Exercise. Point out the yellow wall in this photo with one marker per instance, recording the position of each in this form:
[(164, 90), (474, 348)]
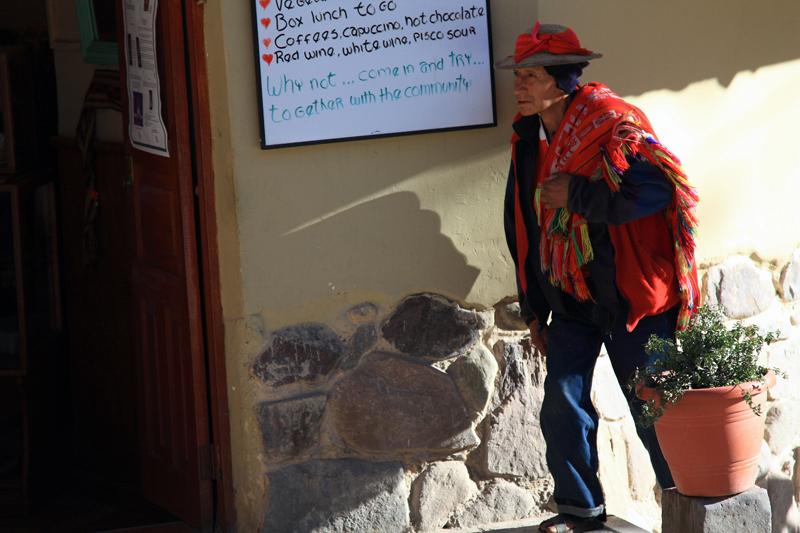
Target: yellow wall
[(305, 232), (717, 80), (321, 227)]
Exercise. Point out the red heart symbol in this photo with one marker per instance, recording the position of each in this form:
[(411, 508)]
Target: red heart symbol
[(264, 3), (267, 58), (265, 22), (267, 42)]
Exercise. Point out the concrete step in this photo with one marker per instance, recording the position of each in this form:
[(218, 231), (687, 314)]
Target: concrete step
[(614, 524)]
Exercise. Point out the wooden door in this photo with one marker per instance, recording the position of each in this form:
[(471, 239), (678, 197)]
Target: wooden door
[(168, 330)]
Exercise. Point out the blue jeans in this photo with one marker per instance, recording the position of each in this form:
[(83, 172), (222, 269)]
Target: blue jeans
[(568, 418)]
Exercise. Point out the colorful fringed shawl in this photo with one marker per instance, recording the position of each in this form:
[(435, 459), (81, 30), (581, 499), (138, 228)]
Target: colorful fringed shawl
[(654, 255)]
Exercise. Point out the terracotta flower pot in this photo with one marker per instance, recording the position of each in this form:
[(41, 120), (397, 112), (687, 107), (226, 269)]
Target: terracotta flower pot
[(711, 438)]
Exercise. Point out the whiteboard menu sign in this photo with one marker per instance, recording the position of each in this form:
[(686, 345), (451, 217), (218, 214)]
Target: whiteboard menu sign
[(344, 69)]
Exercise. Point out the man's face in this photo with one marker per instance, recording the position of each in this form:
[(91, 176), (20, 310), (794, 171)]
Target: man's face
[(535, 90)]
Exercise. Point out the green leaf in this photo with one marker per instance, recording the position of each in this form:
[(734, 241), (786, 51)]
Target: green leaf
[(706, 354)]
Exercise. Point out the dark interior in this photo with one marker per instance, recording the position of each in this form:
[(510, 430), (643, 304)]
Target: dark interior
[(68, 426)]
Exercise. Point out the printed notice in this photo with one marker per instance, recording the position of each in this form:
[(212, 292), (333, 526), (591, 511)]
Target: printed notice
[(146, 128), (341, 69)]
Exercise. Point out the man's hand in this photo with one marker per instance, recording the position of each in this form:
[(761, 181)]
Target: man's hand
[(555, 190), (538, 338)]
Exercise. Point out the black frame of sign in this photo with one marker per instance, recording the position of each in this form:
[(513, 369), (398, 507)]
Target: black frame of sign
[(262, 129)]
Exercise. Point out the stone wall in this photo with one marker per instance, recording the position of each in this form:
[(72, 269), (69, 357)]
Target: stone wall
[(425, 416), (420, 418), (767, 294)]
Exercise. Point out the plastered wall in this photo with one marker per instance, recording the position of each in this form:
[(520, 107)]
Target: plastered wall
[(716, 80), (306, 232), (323, 225)]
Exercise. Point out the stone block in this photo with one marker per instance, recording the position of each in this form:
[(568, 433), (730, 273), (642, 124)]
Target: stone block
[(474, 374), (289, 428), (438, 492), (300, 353), (613, 470), (507, 315), (785, 514), (433, 327), (362, 341), (786, 357), (783, 426), (499, 501), (773, 319), (513, 444), (764, 461), (710, 289), (337, 496), (740, 287), (392, 405), (519, 363), (512, 360), (363, 313), (606, 393), (625, 471), (748, 511), (641, 477), (790, 278)]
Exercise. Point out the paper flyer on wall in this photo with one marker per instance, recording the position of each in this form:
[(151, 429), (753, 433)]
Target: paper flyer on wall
[(146, 127)]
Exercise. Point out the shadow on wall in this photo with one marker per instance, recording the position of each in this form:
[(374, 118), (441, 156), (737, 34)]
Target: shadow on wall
[(329, 177), (325, 224), (381, 245), (668, 45)]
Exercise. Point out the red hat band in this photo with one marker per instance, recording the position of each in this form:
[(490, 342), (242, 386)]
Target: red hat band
[(565, 42)]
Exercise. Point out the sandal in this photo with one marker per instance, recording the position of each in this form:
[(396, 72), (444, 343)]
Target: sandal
[(568, 523)]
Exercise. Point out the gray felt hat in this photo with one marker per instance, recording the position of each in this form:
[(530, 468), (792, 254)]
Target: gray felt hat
[(546, 59)]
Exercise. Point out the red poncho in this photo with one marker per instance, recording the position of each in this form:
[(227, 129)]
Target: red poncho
[(654, 255)]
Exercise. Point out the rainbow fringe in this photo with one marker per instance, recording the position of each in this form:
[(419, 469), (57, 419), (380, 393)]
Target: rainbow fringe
[(629, 140)]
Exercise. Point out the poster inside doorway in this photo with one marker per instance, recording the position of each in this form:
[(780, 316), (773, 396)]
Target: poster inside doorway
[(146, 128)]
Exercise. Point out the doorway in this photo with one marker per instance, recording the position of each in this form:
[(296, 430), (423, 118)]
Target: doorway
[(132, 412)]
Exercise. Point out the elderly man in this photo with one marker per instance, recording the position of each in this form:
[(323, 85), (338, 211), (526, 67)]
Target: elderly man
[(599, 221)]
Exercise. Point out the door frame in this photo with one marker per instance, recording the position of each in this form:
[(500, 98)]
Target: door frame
[(225, 510)]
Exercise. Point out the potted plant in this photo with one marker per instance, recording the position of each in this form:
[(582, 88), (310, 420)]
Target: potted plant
[(706, 395)]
